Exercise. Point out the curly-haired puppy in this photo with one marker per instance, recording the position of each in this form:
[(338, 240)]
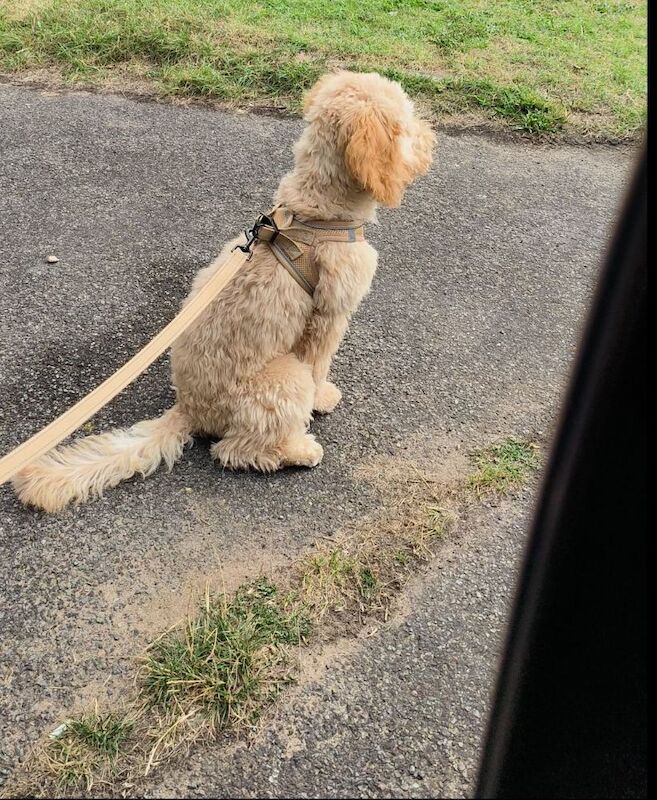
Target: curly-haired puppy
[(253, 368)]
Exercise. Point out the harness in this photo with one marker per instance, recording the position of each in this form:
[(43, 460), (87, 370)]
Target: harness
[(293, 241)]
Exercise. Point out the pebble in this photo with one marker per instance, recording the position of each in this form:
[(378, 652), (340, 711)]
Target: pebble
[(52, 259)]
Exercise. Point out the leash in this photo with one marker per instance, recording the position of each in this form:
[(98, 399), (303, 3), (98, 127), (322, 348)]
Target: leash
[(291, 239), (78, 414)]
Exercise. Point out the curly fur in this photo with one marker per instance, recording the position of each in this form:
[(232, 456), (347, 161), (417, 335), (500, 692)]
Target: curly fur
[(253, 368)]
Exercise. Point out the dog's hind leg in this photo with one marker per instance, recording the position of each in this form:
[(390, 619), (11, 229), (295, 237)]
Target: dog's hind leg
[(268, 427)]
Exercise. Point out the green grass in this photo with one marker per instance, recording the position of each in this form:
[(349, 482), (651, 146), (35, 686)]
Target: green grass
[(228, 660), (540, 66), (502, 467), (102, 734), (86, 749)]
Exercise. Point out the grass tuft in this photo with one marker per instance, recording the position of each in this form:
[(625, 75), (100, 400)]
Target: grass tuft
[(226, 660), (441, 520), (104, 734), (86, 749), (502, 467)]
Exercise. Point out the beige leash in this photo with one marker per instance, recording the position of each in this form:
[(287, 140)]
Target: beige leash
[(71, 420)]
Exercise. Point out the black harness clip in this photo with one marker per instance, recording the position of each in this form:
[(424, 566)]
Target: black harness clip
[(253, 234)]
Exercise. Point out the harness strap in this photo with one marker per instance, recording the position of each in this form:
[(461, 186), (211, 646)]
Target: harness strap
[(293, 241), (303, 270)]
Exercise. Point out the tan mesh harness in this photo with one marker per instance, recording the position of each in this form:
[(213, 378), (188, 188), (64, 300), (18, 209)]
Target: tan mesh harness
[(293, 241)]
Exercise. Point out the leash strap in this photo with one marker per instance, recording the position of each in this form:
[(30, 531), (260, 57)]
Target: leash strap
[(78, 414)]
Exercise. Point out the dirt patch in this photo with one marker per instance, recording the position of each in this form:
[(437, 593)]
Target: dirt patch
[(445, 461)]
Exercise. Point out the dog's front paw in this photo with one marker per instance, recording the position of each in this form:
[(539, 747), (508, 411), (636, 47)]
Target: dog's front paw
[(327, 396)]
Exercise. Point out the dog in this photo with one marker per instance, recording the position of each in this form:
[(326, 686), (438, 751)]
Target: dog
[(253, 368)]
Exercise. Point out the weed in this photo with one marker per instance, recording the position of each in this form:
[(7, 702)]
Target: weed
[(86, 749), (502, 467)]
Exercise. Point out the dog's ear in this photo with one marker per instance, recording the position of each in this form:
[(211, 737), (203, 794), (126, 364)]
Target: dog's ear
[(372, 155)]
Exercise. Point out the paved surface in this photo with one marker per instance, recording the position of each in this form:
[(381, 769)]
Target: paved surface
[(468, 334), (399, 714)]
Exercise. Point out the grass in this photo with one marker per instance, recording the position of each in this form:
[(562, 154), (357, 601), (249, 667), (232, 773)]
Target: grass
[(440, 520), (86, 749), (362, 573), (220, 668), (224, 665), (543, 66), (227, 659), (502, 467), (358, 576)]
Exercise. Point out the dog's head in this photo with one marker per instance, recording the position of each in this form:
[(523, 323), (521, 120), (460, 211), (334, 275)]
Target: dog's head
[(371, 121)]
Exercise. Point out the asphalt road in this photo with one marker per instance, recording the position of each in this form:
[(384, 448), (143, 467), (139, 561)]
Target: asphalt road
[(469, 332)]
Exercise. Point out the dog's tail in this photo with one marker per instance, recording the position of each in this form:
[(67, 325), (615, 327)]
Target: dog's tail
[(91, 465)]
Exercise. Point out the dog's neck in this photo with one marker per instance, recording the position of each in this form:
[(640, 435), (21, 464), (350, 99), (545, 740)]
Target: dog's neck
[(319, 188), (306, 196)]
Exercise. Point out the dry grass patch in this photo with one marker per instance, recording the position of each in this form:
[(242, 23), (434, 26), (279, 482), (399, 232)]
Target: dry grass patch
[(93, 749), (229, 660), (360, 574), (16, 10)]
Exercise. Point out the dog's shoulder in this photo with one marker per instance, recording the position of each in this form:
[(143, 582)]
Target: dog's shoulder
[(346, 270)]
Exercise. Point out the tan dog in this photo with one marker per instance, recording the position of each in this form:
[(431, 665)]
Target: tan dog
[(254, 366)]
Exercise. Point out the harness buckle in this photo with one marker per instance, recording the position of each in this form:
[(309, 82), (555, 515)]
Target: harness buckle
[(253, 234)]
